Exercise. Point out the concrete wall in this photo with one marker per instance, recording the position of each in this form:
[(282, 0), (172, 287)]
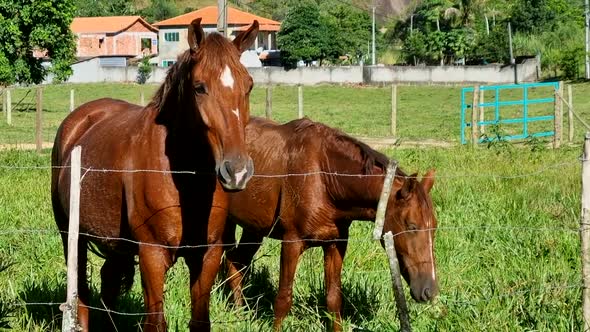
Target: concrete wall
[(91, 71), (127, 42)]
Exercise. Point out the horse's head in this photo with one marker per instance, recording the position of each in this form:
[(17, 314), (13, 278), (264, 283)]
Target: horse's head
[(220, 88), (410, 217)]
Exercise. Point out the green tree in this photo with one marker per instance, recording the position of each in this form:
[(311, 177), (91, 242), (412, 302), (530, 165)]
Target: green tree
[(26, 26), (349, 31), (93, 8), (159, 10), (302, 35)]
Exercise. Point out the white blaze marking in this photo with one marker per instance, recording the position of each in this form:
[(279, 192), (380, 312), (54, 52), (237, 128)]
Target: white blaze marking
[(430, 246), (227, 78), (240, 175), (237, 113)]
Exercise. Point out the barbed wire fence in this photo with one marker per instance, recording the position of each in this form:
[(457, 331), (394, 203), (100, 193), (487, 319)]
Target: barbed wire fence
[(584, 229)]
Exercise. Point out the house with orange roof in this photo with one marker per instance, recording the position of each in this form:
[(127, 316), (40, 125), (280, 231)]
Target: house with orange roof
[(127, 36), (173, 32)]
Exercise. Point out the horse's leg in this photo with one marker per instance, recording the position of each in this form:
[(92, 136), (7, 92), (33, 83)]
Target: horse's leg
[(203, 270), (116, 277), (239, 259), (333, 257), (290, 253), (154, 262)]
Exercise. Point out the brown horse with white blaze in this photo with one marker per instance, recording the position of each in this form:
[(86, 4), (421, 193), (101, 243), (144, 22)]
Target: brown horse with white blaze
[(311, 182), (167, 169)]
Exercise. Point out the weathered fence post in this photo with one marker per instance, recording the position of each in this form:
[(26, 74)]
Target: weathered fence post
[(71, 100), (474, 115), (558, 116), (481, 111), (4, 101), (393, 110), (39, 121), (269, 102), (402, 308), (141, 97), (69, 322), (300, 95), (8, 107), (570, 113), (398, 290), (585, 232)]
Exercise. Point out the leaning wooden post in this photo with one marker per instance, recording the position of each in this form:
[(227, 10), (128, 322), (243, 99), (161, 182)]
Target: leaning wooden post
[(402, 308), (394, 110), (400, 300), (557, 116), (141, 98), (300, 95), (474, 115), (69, 322), (4, 101), (39, 121), (585, 232), (481, 111), (71, 100), (8, 107), (269, 102), (570, 113)]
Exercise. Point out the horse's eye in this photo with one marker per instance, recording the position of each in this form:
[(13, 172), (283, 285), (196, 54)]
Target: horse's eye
[(200, 88), (412, 227)]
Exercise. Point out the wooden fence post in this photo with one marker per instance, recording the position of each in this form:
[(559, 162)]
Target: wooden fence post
[(585, 233), (558, 116), (269, 102), (4, 101), (398, 290), (70, 316), (383, 199), (570, 113), (300, 95), (71, 100), (39, 121), (481, 111), (394, 110), (8, 107), (474, 115), (141, 97)]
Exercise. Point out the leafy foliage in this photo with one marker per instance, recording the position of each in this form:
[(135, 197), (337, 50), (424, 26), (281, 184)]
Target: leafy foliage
[(93, 8), (159, 10), (26, 26), (144, 70), (302, 35)]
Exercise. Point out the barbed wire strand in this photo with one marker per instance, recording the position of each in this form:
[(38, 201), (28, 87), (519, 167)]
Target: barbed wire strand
[(443, 176)]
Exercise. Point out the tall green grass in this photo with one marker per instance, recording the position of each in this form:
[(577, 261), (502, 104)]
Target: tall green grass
[(507, 252)]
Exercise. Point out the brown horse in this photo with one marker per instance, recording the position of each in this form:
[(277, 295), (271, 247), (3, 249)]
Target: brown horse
[(185, 147), (316, 208)]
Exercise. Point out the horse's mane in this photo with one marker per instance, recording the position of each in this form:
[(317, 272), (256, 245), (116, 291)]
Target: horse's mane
[(173, 85), (339, 140)]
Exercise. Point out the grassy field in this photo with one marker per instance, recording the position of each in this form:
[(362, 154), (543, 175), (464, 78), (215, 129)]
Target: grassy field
[(424, 112), (507, 246)]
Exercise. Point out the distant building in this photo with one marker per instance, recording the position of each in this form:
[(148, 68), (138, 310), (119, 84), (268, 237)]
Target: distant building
[(127, 36), (173, 32)]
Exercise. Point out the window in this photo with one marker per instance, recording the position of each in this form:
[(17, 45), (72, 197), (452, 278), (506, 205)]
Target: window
[(168, 63), (171, 36), (146, 43)]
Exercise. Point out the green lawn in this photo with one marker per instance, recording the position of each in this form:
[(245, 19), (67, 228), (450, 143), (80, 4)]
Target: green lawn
[(507, 252), (507, 247), (424, 112)]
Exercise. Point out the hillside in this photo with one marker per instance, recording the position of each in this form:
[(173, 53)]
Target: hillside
[(385, 8)]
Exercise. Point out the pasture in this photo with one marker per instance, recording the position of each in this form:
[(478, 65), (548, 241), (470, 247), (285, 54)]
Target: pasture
[(507, 246)]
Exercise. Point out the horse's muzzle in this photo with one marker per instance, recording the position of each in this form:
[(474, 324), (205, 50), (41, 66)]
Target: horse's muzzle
[(234, 175), (423, 289)]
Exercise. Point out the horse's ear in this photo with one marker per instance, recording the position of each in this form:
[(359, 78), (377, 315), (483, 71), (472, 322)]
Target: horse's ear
[(428, 180), (245, 39), (407, 187), (196, 35)]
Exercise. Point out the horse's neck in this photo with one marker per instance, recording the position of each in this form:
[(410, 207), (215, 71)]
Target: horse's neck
[(356, 197)]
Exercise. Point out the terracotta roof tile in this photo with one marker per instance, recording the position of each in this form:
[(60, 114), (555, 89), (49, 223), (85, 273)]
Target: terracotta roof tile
[(261, 27), (107, 24), (209, 17)]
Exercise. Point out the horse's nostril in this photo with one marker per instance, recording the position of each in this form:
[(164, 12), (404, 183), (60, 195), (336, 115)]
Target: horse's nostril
[(228, 167), (426, 294)]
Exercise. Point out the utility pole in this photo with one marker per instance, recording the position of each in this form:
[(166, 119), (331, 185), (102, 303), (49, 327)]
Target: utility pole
[(373, 55), (222, 17), (586, 19)]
